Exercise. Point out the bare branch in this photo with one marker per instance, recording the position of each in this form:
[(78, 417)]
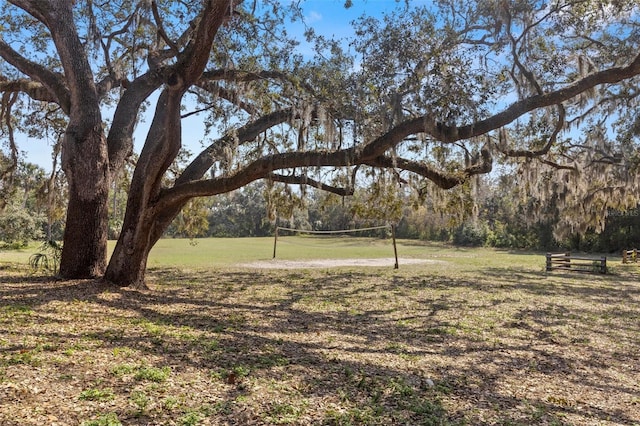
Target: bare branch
[(113, 76), (160, 27), (537, 153)]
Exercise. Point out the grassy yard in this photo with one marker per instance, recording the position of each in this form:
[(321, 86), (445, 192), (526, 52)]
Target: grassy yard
[(471, 336)]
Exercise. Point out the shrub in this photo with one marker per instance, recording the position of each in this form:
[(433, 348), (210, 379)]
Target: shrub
[(18, 226), (470, 235), (48, 258)]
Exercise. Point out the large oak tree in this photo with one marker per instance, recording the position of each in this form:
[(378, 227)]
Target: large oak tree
[(428, 95)]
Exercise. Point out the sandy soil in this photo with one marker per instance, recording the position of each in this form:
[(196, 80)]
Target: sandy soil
[(332, 263)]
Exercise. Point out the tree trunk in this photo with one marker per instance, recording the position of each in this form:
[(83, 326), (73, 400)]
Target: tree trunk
[(84, 253), (148, 212), (129, 259), (84, 147), (143, 223), (141, 228), (85, 162), (128, 262)]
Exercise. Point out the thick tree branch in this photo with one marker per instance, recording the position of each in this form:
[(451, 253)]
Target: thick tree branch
[(163, 141), (445, 133), (194, 57), (370, 153), (35, 90), (83, 106), (305, 180), (120, 138), (376, 148), (444, 180), (246, 133), (265, 166), (525, 153), (258, 169), (52, 82)]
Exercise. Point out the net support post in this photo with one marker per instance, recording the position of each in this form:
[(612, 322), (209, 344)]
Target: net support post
[(275, 242), (395, 249)]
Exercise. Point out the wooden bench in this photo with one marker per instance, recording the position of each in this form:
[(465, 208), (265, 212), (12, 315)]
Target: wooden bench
[(629, 256), (575, 263)]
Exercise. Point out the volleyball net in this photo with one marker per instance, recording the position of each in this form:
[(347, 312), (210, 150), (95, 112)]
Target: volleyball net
[(335, 238)]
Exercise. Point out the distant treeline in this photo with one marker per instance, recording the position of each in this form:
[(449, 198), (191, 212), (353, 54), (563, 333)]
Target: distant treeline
[(496, 221), (495, 216)]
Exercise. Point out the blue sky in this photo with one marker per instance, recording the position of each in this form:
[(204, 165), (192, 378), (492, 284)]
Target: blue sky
[(330, 18)]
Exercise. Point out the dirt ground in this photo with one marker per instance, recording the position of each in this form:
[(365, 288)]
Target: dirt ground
[(334, 263), (428, 344)]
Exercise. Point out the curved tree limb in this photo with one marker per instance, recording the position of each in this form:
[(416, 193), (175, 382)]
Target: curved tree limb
[(52, 82), (34, 89), (425, 124), (542, 151), (164, 138), (257, 169), (120, 137), (444, 180), (446, 133), (144, 222), (246, 133), (306, 180), (265, 167)]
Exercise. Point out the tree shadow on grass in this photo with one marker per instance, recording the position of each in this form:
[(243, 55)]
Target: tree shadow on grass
[(329, 347)]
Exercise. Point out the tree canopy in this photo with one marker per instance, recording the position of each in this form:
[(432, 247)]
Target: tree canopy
[(429, 96)]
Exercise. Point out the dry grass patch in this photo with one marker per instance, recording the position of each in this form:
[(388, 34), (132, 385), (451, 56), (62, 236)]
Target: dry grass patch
[(428, 344)]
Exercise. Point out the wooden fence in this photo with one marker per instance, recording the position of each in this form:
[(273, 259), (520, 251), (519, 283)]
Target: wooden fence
[(630, 256), (575, 263)]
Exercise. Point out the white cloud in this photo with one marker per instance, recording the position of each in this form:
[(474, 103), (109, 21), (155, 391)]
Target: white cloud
[(313, 16)]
